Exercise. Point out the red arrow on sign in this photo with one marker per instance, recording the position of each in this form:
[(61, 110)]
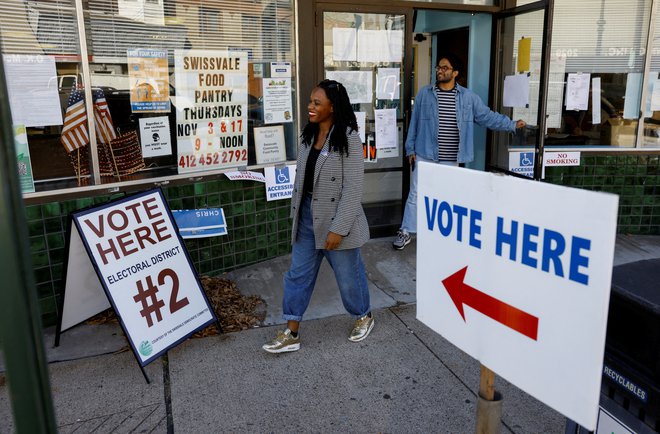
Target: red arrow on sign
[(514, 318)]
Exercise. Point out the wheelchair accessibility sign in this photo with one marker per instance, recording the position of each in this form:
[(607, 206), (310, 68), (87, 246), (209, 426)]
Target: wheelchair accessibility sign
[(279, 182), (522, 163), (282, 175)]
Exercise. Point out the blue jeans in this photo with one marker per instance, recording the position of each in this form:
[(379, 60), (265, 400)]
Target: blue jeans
[(305, 262), (409, 223)]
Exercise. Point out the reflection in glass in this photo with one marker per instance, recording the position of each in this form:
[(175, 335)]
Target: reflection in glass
[(263, 29), (365, 53), (613, 55)]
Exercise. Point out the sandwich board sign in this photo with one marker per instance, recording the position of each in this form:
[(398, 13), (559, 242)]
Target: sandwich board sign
[(517, 274), (131, 246)]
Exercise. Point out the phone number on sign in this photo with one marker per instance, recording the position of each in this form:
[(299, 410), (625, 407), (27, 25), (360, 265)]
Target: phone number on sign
[(213, 158)]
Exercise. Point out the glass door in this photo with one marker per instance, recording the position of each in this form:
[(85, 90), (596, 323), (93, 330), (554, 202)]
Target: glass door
[(365, 49), (523, 71)]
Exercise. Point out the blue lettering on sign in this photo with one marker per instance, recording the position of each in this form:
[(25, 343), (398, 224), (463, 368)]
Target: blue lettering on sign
[(192, 219), (554, 245), (443, 215), (531, 245)]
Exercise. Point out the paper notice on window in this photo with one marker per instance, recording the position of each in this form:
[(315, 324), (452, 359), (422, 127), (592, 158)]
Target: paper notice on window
[(577, 91), (246, 176), (344, 44), (278, 107), (358, 84), (149, 80), (269, 144), (386, 132), (555, 91), (279, 181), (524, 48), (362, 124), (633, 95), (516, 90), (652, 84), (595, 101), (23, 159), (380, 46), (387, 83), (280, 69), (32, 84), (155, 136), (655, 94)]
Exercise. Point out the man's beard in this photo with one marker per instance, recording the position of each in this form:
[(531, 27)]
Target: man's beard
[(438, 81)]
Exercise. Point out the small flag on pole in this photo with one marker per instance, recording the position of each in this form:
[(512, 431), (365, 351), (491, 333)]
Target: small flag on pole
[(74, 131), (102, 119)]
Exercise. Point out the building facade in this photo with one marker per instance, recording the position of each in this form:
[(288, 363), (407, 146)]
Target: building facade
[(110, 97)]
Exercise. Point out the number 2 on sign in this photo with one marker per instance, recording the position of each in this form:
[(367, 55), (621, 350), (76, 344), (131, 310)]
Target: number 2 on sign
[(151, 304)]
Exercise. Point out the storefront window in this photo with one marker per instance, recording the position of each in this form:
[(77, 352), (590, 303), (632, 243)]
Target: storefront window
[(652, 112), (603, 72), (41, 55), (176, 87), (462, 2)]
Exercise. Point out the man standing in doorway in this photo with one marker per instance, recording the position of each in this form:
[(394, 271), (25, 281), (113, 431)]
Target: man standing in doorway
[(441, 131)]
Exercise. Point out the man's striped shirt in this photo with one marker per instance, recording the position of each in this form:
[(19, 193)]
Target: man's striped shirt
[(447, 126)]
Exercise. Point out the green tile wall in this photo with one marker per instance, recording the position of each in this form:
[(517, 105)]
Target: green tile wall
[(636, 179), (258, 230)]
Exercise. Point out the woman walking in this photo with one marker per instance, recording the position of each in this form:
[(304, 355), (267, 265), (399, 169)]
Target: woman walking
[(328, 219)]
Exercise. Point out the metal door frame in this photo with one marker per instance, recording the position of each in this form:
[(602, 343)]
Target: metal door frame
[(498, 81)]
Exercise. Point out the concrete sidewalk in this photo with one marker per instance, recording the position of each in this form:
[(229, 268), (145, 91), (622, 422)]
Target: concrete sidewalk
[(403, 378)]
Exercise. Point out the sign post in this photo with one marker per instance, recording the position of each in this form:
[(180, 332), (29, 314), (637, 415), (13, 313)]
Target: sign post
[(489, 409), (517, 274)]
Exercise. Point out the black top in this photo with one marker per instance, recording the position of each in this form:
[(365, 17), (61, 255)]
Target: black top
[(310, 167)]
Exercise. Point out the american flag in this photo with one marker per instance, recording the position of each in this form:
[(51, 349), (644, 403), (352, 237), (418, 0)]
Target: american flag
[(105, 131), (74, 131)]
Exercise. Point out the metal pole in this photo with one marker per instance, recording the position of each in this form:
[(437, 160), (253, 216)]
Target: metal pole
[(647, 72), (20, 319), (543, 96)]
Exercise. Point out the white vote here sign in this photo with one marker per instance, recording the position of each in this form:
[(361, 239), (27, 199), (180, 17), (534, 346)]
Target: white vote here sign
[(517, 274), (145, 271)]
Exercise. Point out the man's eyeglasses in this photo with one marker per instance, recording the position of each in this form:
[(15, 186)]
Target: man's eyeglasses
[(444, 68)]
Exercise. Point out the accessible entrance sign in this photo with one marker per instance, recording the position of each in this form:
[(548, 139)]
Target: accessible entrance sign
[(517, 274), (134, 248)]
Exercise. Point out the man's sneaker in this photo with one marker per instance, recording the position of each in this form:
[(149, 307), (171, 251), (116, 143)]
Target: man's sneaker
[(362, 328), (283, 343), (402, 240)]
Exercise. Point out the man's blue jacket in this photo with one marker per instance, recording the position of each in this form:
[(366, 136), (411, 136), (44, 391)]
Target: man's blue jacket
[(422, 137)]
